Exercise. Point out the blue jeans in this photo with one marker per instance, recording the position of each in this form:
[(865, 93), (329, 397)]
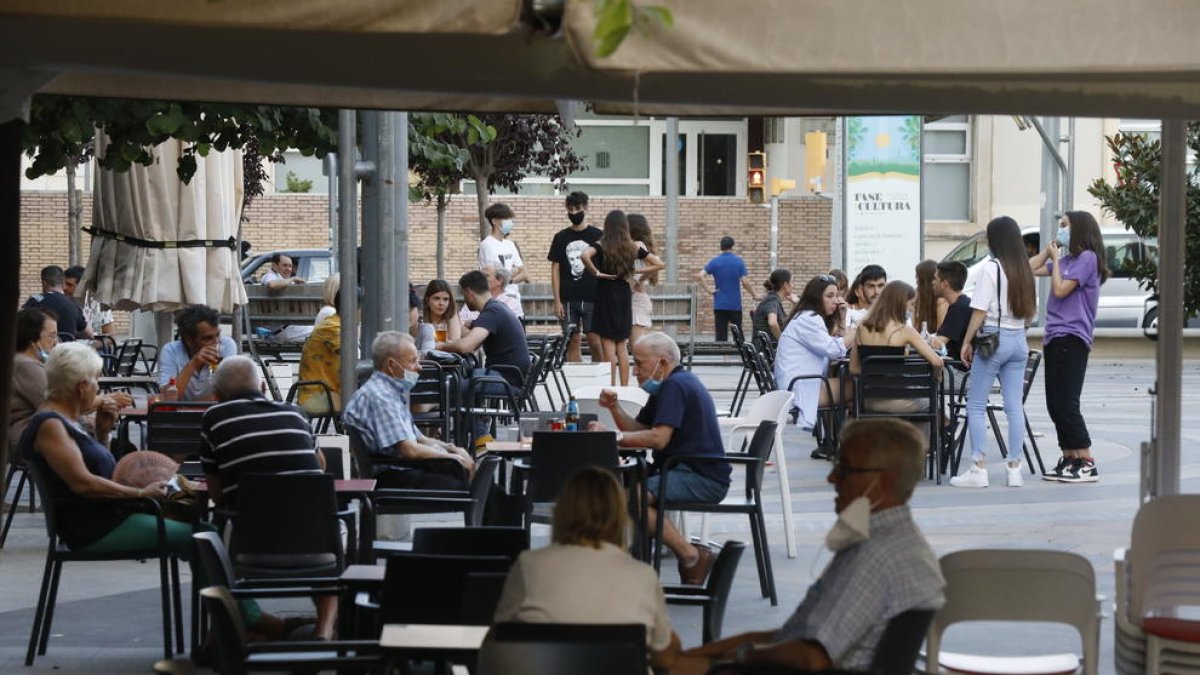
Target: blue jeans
[(688, 486), (1007, 363)]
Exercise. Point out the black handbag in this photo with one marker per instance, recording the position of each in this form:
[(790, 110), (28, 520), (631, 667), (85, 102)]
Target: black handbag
[(985, 344)]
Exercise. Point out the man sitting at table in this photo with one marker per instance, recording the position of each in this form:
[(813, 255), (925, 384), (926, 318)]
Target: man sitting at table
[(235, 432), (192, 359), (379, 412), (680, 418), (53, 297), (882, 566)]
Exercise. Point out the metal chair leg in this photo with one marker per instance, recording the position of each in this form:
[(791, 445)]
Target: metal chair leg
[(48, 621), (39, 615), (177, 602)]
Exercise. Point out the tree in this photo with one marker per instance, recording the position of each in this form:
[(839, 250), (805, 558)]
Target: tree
[(1133, 200)]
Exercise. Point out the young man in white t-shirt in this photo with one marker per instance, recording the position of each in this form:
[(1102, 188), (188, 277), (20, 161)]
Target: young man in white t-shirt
[(498, 250)]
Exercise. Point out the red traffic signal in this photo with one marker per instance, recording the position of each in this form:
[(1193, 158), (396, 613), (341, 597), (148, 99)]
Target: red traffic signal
[(756, 178)]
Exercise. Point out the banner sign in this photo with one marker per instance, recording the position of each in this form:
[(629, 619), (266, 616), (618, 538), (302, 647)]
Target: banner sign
[(882, 195)]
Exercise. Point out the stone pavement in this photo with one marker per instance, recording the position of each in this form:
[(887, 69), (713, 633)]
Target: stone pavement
[(107, 613)]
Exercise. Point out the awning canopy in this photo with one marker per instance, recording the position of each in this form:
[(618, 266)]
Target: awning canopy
[(1096, 58)]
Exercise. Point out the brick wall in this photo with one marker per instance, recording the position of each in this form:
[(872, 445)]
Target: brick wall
[(301, 221)]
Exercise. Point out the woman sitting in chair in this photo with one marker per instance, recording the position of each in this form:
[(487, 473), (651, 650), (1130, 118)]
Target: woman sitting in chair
[(587, 576), (886, 332), (812, 339)]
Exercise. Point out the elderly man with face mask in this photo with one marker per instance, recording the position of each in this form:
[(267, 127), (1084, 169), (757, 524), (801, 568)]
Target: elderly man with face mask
[(882, 566)]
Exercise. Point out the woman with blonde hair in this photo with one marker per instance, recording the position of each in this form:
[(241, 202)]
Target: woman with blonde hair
[(886, 332), (329, 296), (574, 578)]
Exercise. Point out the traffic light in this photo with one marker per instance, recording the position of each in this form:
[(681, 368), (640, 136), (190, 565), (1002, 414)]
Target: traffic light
[(756, 180)]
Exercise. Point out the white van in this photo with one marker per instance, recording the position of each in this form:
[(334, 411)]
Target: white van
[(1123, 303)]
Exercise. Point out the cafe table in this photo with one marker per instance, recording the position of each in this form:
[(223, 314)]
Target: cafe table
[(427, 641)]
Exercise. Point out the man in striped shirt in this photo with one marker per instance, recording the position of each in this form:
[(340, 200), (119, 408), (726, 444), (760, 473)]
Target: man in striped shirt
[(246, 433)]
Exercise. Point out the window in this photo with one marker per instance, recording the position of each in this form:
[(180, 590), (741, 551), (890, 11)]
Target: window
[(946, 189)]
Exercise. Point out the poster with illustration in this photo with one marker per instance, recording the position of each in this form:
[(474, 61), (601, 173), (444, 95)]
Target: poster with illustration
[(882, 199)]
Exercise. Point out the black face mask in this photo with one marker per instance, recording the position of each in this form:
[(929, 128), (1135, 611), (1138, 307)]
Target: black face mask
[(577, 217)]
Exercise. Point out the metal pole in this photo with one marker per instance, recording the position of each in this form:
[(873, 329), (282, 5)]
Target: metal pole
[(1172, 214), (671, 176), (837, 239), (400, 210), (774, 232), (371, 211), (382, 255), (331, 171), (347, 239), (1051, 184), (1069, 187)]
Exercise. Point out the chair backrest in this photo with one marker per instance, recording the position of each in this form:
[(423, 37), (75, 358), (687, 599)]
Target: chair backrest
[(229, 632), (900, 644), (481, 596), (558, 454), (481, 488), (772, 405), (1031, 368), (764, 373), (632, 400), (268, 376), (766, 345), (49, 506), (560, 355), (580, 649), (1054, 586), (360, 453), (760, 449), (502, 541), (739, 338), (214, 559), (896, 377), (127, 357), (286, 521), (173, 428), (719, 583), (421, 588), (1164, 557)]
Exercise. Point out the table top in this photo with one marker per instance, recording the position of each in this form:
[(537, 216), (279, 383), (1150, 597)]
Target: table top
[(351, 486), (424, 637), (363, 574), (117, 380)]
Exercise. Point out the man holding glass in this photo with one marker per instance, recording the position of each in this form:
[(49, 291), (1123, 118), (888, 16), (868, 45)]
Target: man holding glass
[(192, 359)]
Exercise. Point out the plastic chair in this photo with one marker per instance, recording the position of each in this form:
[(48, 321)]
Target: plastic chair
[(286, 526), (632, 400), (1164, 575), (1017, 585), (713, 595), (320, 422), (429, 589), (558, 454), (958, 408), (774, 406), (481, 597), (751, 504), (560, 356), (58, 553), (235, 656), (555, 648)]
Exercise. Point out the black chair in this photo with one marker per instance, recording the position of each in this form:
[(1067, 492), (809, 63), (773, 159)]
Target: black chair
[(286, 526), (16, 464), (558, 454), (502, 541), (322, 422), (429, 589), (555, 648), (122, 360), (481, 596), (173, 428), (58, 553), (829, 417), (896, 653), (765, 344), (746, 376), (436, 386), (714, 594), (908, 378), (751, 504), (549, 354), (235, 656), (369, 463), (490, 396)]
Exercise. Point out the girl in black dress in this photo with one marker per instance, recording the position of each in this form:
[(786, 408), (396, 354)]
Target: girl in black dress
[(611, 260)]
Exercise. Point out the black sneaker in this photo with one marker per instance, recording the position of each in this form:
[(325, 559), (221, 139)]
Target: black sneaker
[(1062, 467), (823, 451), (1081, 471)]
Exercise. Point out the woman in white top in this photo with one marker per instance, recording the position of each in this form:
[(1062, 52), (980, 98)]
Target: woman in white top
[(498, 250), (587, 576), (813, 337), (1003, 301)]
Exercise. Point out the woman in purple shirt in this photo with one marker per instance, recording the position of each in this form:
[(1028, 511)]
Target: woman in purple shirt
[(1075, 262)]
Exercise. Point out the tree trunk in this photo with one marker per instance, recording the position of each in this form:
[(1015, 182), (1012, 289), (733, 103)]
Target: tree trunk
[(482, 198), (74, 214), (10, 259), (441, 237)]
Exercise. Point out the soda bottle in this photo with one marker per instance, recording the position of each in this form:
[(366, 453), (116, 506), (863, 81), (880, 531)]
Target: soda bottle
[(170, 393), (572, 414), (925, 332)]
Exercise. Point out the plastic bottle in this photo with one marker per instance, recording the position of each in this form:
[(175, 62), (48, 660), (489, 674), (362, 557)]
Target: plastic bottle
[(170, 393), (572, 414), (925, 332)]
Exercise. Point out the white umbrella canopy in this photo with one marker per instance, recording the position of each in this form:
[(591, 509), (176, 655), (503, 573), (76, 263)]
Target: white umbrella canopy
[(143, 221)]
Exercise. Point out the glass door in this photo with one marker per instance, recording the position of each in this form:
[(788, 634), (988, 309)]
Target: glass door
[(711, 156)]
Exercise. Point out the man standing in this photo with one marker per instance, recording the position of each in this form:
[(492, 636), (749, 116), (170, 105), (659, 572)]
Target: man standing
[(871, 281), (99, 317), (192, 359), (498, 250), (574, 290), (233, 431), (729, 272), (680, 418), (882, 566), (948, 283), (380, 412), (52, 298), (280, 276)]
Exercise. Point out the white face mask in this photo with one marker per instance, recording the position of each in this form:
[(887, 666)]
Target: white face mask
[(853, 525), (506, 227)]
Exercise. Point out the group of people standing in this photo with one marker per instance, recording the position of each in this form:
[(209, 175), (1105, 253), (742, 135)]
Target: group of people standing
[(833, 320)]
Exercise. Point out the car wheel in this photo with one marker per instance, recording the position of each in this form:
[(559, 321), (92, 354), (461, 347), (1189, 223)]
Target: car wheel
[(1151, 318)]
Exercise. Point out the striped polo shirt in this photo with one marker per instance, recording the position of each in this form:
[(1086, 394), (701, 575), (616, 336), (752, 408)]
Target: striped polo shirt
[(253, 435)]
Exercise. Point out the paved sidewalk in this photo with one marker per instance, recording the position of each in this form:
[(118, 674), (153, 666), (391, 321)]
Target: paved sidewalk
[(107, 614)]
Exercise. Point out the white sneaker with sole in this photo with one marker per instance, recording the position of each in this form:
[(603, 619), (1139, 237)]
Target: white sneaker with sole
[(1014, 477), (975, 476)]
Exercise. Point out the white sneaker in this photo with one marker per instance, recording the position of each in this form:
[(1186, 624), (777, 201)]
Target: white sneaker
[(975, 476), (1014, 477)]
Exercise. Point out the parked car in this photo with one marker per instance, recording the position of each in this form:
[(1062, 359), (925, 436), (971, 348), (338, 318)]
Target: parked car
[(1123, 303), (312, 264)]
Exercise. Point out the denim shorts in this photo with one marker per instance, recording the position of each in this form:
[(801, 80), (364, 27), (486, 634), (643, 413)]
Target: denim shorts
[(688, 486)]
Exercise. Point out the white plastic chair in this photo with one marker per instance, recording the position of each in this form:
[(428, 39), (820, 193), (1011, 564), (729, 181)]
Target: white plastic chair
[(632, 400), (773, 406), (1017, 585), (1164, 575)]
